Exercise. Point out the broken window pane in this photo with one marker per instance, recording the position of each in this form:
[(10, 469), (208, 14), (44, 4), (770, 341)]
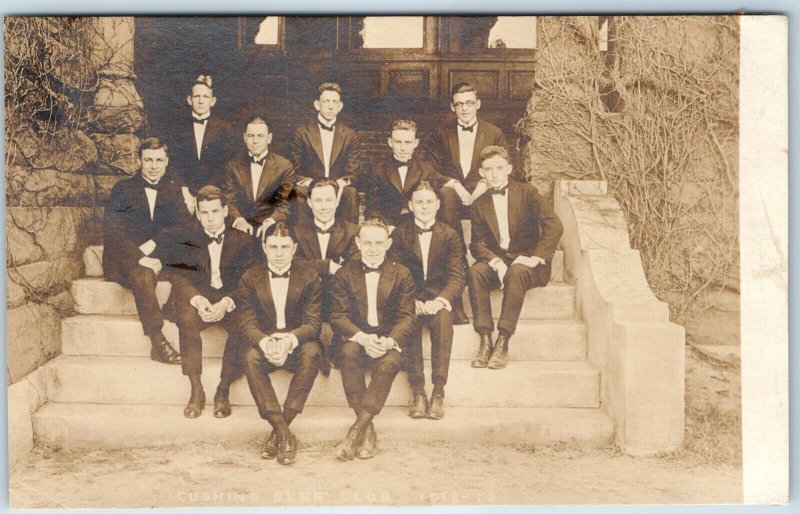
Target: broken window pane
[(267, 31), (388, 32), (481, 32)]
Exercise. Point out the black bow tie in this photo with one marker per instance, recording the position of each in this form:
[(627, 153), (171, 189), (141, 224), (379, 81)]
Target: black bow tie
[(218, 239), (500, 191), (260, 161), (272, 274), (421, 231), (324, 230), (155, 187), (398, 163), (325, 127), (200, 122), (471, 128), (367, 269)]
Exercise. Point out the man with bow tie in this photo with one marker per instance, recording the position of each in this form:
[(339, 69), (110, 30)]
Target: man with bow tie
[(201, 143), (258, 184), (373, 318), (279, 320), (208, 260), (514, 237), (433, 253), (140, 213), (327, 148)]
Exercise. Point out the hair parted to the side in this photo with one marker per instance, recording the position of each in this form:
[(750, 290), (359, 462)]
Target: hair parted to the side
[(423, 185), (374, 221), (404, 125), (203, 80), (255, 119), (329, 86), (462, 87), (279, 229), (210, 193), (493, 151), (322, 182), (152, 143)]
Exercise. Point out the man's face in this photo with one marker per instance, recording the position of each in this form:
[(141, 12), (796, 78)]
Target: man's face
[(496, 171), (154, 164), (466, 106), (201, 100), (257, 137), (211, 214), (403, 143), (323, 203), (424, 204), (279, 251), (329, 105), (373, 242)]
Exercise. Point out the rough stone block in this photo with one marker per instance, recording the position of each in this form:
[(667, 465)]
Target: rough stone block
[(15, 294), (24, 398), (33, 337), (93, 261), (117, 93), (95, 296), (104, 184), (22, 247), (583, 187), (66, 150), (58, 231), (45, 278), (117, 120), (46, 188), (119, 151)]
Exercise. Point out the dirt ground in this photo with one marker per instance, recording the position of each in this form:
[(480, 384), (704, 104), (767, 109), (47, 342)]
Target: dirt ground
[(707, 470)]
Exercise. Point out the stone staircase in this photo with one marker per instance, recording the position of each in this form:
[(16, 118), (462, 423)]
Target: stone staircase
[(104, 391)]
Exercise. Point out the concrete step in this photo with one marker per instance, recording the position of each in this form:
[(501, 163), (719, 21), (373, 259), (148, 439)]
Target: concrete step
[(139, 380), (83, 425), (97, 296), (93, 259), (121, 335)]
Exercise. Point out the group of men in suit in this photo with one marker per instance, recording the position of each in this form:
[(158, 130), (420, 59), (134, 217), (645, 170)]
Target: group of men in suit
[(271, 249)]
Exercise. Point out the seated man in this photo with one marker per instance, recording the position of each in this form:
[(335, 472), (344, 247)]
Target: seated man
[(140, 210), (514, 236), (258, 184), (372, 317), (327, 148), (208, 260), (432, 252), (327, 243), (279, 309)]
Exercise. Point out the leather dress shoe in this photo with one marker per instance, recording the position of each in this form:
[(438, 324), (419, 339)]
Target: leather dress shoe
[(347, 448), (484, 352), (369, 446), (436, 409), (270, 450), (499, 357), (222, 406), (197, 401), (419, 406), (165, 353), (287, 450)]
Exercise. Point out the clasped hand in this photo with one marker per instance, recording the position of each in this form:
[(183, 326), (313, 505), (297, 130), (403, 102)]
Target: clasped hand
[(211, 313), (276, 348), (376, 346)]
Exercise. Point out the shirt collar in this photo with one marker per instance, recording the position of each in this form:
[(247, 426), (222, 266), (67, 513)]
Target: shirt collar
[(219, 232), (501, 187), (404, 163), (325, 226), (150, 181), (474, 123), (424, 226), (373, 265), (279, 271), (325, 122), (205, 117), (260, 156)]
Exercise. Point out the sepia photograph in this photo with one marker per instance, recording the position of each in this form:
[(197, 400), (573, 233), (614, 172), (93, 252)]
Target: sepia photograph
[(314, 261)]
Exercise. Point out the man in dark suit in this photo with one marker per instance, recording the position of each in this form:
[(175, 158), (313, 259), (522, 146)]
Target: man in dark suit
[(279, 318), (201, 144), (208, 260), (139, 212), (390, 182), (454, 148), (432, 251), (373, 318), (514, 236), (258, 184), (326, 148)]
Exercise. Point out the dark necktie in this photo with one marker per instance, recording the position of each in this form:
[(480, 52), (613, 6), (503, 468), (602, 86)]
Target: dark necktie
[(199, 122), (325, 127), (218, 239), (367, 269), (500, 191), (421, 231), (260, 161), (324, 230), (272, 274), (471, 128)]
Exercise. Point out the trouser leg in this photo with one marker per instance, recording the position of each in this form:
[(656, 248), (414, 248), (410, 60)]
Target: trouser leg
[(353, 376), (482, 279), (257, 369), (306, 367), (142, 282), (441, 327), (516, 283), (412, 360), (384, 371)]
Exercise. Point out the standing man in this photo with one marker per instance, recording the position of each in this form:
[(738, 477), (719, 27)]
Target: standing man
[(258, 184), (201, 143), (326, 148), (373, 317), (514, 237), (140, 212), (279, 305), (432, 251), (211, 259)]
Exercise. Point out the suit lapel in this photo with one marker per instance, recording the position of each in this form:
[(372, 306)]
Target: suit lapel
[(360, 292), (385, 284), (246, 179), (338, 143), (514, 208), (293, 307), (413, 238), (413, 174), (310, 240), (437, 240), (316, 141), (455, 150), (480, 136), (212, 127), (394, 174), (491, 217), (336, 238), (266, 173), (265, 294)]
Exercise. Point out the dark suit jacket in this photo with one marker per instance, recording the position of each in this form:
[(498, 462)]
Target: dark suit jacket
[(533, 226), (445, 260), (127, 223), (186, 253), (386, 196), (274, 189), (309, 160), (341, 246), (256, 310), (395, 302), (445, 155), (214, 152)]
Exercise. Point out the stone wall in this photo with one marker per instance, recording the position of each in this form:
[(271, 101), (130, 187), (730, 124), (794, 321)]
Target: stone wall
[(61, 162)]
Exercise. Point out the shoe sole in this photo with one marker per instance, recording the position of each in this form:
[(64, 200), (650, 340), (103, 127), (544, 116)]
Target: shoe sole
[(365, 457), (342, 456), (496, 365), (478, 364), (286, 463)]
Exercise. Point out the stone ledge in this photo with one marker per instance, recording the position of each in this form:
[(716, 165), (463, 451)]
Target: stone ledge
[(24, 398)]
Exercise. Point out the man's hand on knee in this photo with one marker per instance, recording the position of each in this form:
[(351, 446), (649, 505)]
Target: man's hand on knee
[(151, 263)]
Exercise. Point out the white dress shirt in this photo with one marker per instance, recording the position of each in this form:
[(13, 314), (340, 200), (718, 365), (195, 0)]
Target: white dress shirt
[(403, 171), (215, 252), (199, 132), (501, 211), (466, 146), (372, 294), (152, 194), (327, 142), (425, 245), (255, 172), (324, 239), (280, 290)]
